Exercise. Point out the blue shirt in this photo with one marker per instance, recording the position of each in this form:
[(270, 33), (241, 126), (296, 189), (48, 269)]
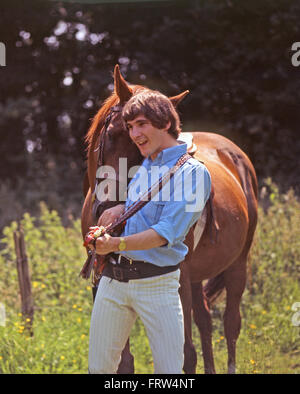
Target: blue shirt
[(173, 211)]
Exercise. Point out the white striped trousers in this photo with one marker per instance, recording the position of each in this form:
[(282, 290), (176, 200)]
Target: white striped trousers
[(117, 304)]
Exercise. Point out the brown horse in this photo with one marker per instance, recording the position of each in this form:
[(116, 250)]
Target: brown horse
[(220, 257)]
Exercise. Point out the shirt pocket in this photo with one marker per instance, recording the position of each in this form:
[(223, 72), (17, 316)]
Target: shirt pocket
[(152, 212)]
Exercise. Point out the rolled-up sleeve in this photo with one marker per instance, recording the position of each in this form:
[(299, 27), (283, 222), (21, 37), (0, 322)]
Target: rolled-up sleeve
[(188, 198)]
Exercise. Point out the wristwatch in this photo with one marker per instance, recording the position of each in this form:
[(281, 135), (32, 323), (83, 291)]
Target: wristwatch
[(122, 244)]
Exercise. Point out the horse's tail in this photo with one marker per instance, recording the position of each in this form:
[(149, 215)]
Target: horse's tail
[(214, 287)]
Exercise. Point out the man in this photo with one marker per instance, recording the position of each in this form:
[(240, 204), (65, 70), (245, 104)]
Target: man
[(151, 246)]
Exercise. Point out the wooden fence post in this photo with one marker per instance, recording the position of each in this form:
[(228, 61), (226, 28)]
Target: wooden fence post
[(24, 279)]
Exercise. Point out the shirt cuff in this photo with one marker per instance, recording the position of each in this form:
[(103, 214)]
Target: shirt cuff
[(163, 229)]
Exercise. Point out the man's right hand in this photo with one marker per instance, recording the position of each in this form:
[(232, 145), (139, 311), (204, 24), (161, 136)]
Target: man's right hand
[(110, 215)]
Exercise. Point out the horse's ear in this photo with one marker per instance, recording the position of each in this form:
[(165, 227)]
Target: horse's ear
[(122, 88), (176, 99)]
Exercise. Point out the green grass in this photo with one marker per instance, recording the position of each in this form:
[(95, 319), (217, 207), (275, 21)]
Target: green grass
[(268, 343)]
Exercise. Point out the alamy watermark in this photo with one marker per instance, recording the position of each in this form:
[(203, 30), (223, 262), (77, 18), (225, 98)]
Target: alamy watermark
[(186, 185), (296, 316), (2, 54), (2, 315), (296, 56)]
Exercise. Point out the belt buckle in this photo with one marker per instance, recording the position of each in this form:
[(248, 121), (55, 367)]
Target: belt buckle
[(119, 259)]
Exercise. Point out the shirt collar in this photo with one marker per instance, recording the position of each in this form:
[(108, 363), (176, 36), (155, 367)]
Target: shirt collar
[(168, 154)]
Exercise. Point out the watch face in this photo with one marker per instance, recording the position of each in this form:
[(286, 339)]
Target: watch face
[(122, 245)]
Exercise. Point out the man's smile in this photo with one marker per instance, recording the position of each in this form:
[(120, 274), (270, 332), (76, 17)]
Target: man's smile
[(141, 142)]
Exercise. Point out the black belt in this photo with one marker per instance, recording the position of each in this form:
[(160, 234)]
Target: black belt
[(128, 269)]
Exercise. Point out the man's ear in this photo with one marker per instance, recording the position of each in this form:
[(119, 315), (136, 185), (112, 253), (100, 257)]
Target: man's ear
[(167, 126)]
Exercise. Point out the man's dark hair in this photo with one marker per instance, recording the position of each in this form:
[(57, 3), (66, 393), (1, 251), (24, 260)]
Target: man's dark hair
[(156, 107)]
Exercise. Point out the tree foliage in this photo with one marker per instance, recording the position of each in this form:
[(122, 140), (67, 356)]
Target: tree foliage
[(234, 57)]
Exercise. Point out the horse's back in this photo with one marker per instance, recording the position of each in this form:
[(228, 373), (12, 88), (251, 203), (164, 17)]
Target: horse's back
[(217, 147), (234, 187)]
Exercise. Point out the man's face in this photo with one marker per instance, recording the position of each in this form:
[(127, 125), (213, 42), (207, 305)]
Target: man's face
[(147, 138)]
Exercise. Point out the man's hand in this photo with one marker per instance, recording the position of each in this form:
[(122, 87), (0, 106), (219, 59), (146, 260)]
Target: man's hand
[(110, 215), (147, 239), (106, 244)]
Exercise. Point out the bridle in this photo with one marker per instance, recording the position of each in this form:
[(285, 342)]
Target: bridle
[(112, 111), (96, 204)]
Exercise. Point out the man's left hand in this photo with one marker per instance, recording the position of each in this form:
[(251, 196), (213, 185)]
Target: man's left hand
[(105, 244)]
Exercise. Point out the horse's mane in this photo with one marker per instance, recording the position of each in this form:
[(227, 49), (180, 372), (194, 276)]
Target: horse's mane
[(98, 119)]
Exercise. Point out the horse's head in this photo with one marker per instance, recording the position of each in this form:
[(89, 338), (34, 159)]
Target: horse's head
[(112, 156)]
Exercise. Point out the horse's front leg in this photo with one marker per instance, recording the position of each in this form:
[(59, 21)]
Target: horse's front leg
[(126, 365)]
